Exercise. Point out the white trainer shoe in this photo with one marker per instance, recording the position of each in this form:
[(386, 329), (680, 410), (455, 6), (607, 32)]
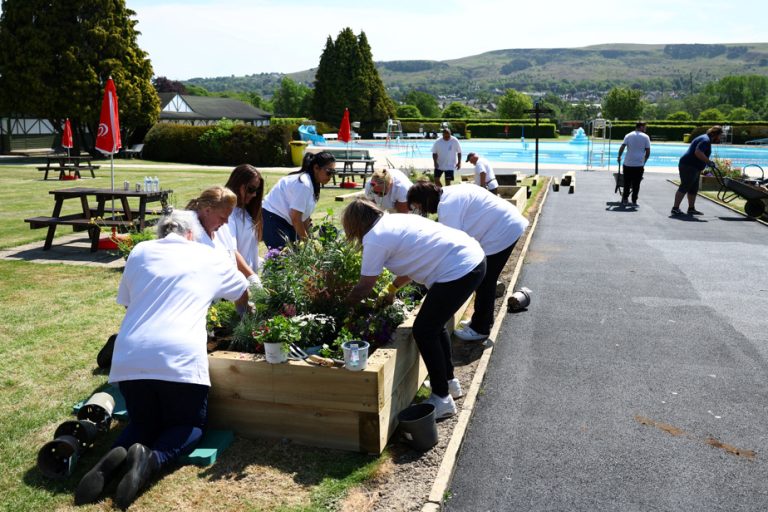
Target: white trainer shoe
[(444, 407), (465, 323), (454, 387), (467, 333)]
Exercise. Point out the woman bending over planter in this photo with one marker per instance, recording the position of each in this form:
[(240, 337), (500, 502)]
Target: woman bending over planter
[(289, 205), (245, 221), (388, 188), (160, 361), (450, 263), (213, 209), (494, 222)]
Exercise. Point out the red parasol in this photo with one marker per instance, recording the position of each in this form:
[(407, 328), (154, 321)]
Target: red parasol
[(66, 136), (108, 137), (345, 132)]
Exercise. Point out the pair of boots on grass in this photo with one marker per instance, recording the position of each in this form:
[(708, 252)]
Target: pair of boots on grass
[(140, 466)]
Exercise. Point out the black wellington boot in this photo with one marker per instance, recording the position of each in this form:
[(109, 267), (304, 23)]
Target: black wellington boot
[(137, 477), (91, 486), (104, 357)]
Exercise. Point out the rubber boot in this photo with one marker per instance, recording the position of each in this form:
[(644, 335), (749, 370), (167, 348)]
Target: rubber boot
[(137, 477), (92, 485)]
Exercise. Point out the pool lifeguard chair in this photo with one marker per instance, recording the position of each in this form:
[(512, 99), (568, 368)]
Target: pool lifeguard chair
[(394, 130)]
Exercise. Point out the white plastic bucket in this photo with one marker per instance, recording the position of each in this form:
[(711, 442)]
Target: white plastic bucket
[(275, 353), (355, 355)]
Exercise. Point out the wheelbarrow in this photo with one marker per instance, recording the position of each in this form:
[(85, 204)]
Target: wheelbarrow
[(752, 190)]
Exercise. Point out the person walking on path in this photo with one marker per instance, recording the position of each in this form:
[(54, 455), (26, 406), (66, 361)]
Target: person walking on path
[(484, 176), (450, 263), (446, 154), (494, 222), (690, 166), (638, 146)]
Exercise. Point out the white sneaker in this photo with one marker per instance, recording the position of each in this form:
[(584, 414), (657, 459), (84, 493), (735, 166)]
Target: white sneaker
[(454, 387), (467, 333), (465, 323), (444, 407)]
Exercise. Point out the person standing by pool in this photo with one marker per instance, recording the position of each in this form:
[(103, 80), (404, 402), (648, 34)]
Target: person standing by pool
[(638, 146), (494, 222), (388, 188), (245, 221), (690, 166), (289, 205), (484, 176), (446, 155), (450, 263)]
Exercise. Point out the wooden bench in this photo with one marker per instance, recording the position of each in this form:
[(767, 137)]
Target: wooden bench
[(348, 158), (68, 168), (78, 223)]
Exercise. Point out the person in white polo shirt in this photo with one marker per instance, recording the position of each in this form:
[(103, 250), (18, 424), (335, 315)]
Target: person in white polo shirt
[(450, 263), (494, 222), (446, 155), (288, 207), (160, 361), (484, 176), (388, 188), (638, 146)]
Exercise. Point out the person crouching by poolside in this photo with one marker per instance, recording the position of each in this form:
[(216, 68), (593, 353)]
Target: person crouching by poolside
[(484, 176), (245, 221), (450, 263), (289, 205), (690, 166), (212, 210), (160, 361), (388, 188), (494, 222)]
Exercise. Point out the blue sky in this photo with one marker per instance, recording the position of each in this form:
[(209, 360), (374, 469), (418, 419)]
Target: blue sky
[(205, 38)]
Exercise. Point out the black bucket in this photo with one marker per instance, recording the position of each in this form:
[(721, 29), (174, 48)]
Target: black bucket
[(57, 459), (417, 423)]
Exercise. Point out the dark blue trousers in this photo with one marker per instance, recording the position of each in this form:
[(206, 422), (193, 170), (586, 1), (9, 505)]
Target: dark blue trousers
[(167, 417), (276, 230)]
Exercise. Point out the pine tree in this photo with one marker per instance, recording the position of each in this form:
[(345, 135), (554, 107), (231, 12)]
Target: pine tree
[(56, 55)]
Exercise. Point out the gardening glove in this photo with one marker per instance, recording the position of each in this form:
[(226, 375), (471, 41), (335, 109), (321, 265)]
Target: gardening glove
[(387, 296), (254, 281)]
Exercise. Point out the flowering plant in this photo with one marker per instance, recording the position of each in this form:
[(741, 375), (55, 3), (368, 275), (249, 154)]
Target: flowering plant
[(725, 166)]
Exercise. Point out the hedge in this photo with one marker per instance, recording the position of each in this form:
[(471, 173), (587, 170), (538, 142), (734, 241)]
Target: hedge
[(516, 130), (415, 125), (255, 145), (742, 131)]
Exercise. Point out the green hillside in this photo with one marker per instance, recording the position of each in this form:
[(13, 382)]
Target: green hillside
[(672, 67)]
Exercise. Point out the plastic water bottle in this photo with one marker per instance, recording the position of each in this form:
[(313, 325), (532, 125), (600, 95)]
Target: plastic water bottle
[(156, 184), (146, 184)]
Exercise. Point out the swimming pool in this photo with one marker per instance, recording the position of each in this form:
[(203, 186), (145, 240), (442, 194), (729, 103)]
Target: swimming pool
[(662, 155)]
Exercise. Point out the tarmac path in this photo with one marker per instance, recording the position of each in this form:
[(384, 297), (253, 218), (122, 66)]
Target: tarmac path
[(637, 378)]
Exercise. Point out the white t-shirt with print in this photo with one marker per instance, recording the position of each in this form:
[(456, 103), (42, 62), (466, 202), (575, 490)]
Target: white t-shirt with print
[(167, 287), (482, 165), (447, 153), (292, 192), (494, 222), (424, 250), (398, 193)]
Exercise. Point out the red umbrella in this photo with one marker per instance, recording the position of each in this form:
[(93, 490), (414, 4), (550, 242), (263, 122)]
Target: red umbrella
[(345, 132), (66, 137), (108, 137)]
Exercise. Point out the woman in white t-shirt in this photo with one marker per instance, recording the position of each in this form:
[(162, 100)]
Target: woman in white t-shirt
[(212, 210), (289, 205), (388, 188), (494, 222), (160, 361), (245, 221), (447, 261)]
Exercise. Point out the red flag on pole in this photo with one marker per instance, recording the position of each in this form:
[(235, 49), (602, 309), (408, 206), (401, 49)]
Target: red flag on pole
[(108, 136), (345, 131), (66, 136)]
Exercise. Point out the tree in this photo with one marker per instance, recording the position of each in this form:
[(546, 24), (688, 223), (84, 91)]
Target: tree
[(56, 56), (742, 114), (288, 100), (458, 110), (425, 102), (622, 103), (711, 114), (513, 104), (680, 115), (347, 77), (162, 84), (408, 111)]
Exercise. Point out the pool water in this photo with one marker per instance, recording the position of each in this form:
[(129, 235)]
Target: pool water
[(662, 155)]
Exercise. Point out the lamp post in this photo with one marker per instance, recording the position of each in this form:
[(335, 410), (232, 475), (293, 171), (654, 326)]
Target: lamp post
[(537, 112)]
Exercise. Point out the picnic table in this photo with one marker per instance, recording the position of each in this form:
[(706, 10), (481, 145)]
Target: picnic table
[(68, 164), (122, 216)]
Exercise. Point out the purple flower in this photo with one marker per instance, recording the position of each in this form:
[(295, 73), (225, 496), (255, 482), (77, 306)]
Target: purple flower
[(272, 253)]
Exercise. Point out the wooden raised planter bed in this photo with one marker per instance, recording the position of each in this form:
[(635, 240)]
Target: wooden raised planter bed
[(515, 195), (317, 406)]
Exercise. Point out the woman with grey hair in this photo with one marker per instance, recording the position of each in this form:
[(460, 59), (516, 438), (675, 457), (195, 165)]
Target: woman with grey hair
[(450, 263), (160, 362)]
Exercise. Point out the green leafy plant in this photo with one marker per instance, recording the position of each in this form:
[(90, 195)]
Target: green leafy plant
[(222, 318), (278, 329)]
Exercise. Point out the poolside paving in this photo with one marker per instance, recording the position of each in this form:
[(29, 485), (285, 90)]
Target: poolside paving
[(637, 378)]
